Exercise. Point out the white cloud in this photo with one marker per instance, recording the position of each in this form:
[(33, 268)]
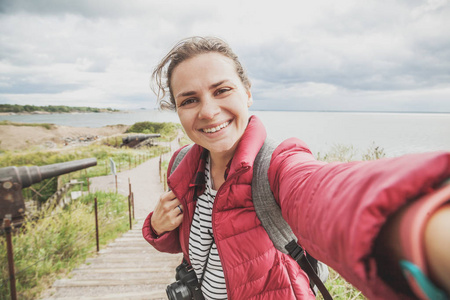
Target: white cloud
[(327, 54)]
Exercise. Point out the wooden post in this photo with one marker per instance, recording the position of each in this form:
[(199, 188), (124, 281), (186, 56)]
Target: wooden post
[(88, 185)]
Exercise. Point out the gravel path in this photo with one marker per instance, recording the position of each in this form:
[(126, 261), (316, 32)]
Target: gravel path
[(129, 268)]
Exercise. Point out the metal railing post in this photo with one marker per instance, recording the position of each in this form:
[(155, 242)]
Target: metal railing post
[(160, 162), (9, 247), (96, 224), (129, 186), (129, 210), (115, 176), (132, 204), (165, 182)]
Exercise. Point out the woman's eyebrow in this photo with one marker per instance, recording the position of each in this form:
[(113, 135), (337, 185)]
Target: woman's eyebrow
[(214, 85), (192, 93), (186, 94)]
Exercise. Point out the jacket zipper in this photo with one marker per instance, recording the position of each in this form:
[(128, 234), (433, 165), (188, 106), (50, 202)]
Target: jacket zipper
[(243, 170)]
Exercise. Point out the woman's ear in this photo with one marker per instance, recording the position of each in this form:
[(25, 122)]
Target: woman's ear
[(250, 98)]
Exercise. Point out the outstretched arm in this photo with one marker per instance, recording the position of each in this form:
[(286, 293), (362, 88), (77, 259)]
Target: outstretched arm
[(337, 210)]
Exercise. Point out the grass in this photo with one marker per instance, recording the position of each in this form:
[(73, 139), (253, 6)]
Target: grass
[(51, 246), (347, 153), (45, 125), (340, 289)]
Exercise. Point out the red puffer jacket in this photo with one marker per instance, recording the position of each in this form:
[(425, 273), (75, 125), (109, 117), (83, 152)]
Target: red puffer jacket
[(336, 210)]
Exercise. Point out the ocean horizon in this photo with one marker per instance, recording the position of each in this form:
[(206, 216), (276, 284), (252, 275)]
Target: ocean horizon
[(396, 132)]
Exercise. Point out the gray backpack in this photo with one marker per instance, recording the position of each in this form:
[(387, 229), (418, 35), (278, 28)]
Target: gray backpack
[(269, 213)]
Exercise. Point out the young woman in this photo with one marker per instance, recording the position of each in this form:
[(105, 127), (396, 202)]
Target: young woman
[(348, 215)]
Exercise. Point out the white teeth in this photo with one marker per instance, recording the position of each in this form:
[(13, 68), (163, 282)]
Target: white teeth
[(217, 128)]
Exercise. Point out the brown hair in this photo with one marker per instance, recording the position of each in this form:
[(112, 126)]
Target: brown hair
[(183, 50)]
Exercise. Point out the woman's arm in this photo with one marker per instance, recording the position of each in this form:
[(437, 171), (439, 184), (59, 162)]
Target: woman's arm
[(337, 210)]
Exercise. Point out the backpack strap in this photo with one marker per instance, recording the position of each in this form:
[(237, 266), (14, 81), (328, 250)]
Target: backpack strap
[(267, 209), (269, 213), (180, 157)]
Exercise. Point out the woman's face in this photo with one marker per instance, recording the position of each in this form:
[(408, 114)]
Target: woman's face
[(211, 101)]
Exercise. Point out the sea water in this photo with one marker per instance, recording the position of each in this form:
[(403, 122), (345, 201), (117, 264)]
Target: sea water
[(396, 133)]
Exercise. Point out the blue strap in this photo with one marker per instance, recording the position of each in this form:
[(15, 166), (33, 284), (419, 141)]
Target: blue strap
[(413, 272)]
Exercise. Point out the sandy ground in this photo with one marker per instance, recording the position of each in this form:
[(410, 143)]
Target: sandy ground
[(26, 137)]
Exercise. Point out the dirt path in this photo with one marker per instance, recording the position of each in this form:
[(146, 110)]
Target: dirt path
[(145, 185)]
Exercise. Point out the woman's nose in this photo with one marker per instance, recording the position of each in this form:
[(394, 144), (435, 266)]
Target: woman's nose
[(209, 109)]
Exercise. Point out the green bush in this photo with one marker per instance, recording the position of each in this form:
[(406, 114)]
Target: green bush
[(168, 130)]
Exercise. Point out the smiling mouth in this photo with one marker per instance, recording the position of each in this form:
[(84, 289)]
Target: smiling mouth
[(217, 128)]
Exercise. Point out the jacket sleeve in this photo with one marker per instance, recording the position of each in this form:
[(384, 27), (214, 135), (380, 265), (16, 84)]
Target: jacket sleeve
[(168, 242), (337, 210)]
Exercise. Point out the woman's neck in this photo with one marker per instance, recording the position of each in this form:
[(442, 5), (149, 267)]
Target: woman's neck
[(219, 163)]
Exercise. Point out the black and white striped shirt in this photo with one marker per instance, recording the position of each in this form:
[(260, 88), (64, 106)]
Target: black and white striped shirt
[(202, 248)]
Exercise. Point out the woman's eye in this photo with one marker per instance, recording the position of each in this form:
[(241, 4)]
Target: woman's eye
[(187, 101), (222, 90)]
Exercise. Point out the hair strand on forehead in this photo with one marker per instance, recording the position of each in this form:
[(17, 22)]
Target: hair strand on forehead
[(183, 50)]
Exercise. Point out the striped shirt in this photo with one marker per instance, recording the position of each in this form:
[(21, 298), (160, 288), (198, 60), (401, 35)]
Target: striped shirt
[(202, 248)]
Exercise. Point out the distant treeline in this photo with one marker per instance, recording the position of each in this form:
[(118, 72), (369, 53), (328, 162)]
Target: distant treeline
[(15, 108)]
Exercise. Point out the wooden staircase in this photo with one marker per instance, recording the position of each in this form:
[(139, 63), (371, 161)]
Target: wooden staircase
[(128, 268)]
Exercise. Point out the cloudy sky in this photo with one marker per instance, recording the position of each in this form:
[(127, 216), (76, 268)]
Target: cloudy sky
[(372, 55)]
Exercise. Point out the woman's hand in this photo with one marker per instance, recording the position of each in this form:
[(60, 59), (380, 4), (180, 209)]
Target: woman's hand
[(436, 242), (437, 245), (168, 214)]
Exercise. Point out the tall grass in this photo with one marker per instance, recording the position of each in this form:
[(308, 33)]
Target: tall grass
[(347, 153), (52, 245)]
